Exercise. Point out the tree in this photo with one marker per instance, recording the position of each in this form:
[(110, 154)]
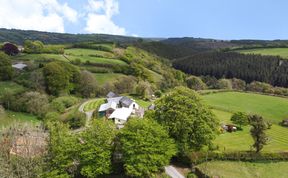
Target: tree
[(146, 147), (36, 103), (125, 84), (238, 84), (56, 78), (10, 49), (6, 70), (87, 84), (96, 149), (33, 46), (224, 84), (258, 132), (144, 90), (187, 120), (240, 118), (195, 83)]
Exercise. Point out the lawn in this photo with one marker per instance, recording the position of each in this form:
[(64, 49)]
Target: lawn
[(283, 52), (11, 87), (11, 118), (103, 78), (242, 141), (229, 169), (270, 107), (93, 104)]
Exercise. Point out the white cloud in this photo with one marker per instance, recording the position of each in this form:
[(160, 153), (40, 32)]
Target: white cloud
[(99, 17), (44, 15)]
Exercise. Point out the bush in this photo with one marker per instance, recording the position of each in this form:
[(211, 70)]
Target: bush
[(76, 120), (224, 84), (238, 84), (6, 70), (260, 87), (195, 83)]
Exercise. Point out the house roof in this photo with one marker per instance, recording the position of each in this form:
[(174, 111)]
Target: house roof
[(121, 113), (112, 95), (126, 101), (19, 66), (116, 99), (108, 105)]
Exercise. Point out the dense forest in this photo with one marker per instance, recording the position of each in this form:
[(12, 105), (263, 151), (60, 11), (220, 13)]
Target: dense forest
[(269, 69)]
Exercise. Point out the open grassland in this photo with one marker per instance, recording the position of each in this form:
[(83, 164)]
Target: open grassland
[(10, 118), (103, 78), (88, 52), (10, 87), (242, 140), (93, 104), (40, 57), (283, 52), (229, 169), (271, 108)]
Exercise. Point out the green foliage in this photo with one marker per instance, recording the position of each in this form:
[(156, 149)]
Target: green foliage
[(87, 154), (96, 149), (224, 84), (188, 121), (238, 84), (195, 83), (260, 87), (33, 46), (87, 84), (75, 119), (146, 147), (60, 77), (258, 132), (61, 103), (240, 118), (144, 90), (6, 70)]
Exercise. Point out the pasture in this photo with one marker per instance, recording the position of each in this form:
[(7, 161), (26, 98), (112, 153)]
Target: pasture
[(283, 52), (103, 78), (271, 108), (88, 52), (229, 169)]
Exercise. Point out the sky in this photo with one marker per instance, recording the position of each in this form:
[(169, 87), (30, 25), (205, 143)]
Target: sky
[(218, 19)]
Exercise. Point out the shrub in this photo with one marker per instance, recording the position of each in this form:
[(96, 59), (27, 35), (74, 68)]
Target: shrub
[(260, 87), (238, 84), (195, 83), (6, 70), (224, 84), (76, 120)]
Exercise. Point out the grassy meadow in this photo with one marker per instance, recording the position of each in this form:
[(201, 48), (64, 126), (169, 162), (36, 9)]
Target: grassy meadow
[(103, 78), (11, 87), (241, 140), (10, 118), (270, 107), (229, 169), (283, 52)]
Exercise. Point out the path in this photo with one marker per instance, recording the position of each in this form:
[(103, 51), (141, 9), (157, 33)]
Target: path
[(89, 114), (172, 172)]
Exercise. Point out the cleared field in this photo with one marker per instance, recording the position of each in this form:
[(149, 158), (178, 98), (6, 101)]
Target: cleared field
[(11, 87), (242, 141), (15, 118), (271, 108), (229, 169), (93, 104), (88, 52), (102, 78), (37, 57), (283, 52)]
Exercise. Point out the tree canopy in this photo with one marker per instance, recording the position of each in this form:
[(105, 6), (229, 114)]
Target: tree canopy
[(6, 70), (187, 119), (146, 147)]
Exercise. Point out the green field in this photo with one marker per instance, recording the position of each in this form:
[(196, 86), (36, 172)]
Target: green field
[(103, 78), (271, 108), (93, 104), (11, 118), (242, 141), (38, 57), (229, 169), (283, 52), (11, 87), (88, 52)]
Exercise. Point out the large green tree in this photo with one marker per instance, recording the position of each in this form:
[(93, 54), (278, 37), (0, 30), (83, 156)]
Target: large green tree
[(87, 85), (146, 147), (187, 119), (6, 70), (258, 132), (195, 83), (240, 118)]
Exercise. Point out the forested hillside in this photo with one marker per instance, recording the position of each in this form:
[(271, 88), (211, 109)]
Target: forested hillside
[(269, 69)]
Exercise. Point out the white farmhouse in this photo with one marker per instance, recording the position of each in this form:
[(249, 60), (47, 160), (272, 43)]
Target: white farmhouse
[(120, 108)]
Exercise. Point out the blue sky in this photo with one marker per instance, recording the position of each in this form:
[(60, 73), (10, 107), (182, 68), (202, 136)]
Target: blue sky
[(220, 19)]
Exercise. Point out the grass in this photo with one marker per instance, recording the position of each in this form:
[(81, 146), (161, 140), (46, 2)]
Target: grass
[(88, 52), (142, 103), (37, 57), (93, 104), (103, 78), (270, 107), (11, 87), (242, 141), (11, 118), (283, 52), (229, 169)]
